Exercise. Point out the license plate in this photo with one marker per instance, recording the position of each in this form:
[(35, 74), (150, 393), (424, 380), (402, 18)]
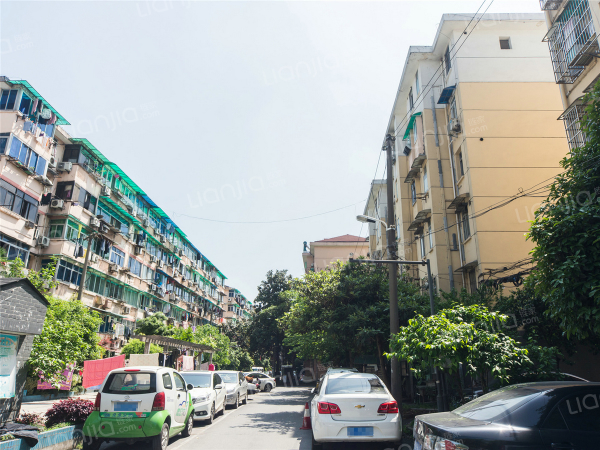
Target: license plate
[(417, 445), (360, 431), (126, 406)]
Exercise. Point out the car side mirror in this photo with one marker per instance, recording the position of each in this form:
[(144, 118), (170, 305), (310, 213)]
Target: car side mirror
[(219, 386), (190, 386)]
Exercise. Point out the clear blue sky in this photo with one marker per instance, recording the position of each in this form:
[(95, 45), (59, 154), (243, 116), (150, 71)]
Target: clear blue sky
[(235, 111)]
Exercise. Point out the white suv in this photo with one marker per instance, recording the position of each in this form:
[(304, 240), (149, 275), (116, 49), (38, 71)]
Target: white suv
[(237, 387), (208, 394)]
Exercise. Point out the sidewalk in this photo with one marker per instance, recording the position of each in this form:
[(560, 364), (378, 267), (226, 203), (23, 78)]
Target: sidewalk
[(43, 406)]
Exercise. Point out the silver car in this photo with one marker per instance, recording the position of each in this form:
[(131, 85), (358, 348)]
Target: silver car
[(236, 387)]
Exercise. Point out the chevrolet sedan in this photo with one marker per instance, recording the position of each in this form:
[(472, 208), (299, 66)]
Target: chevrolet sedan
[(354, 407)]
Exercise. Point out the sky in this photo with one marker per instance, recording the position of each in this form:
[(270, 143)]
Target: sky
[(231, 111)]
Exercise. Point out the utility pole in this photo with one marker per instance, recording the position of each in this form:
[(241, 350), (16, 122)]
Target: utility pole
[(395, 378)]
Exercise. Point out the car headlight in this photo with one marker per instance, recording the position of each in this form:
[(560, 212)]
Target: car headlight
[(199, 399)]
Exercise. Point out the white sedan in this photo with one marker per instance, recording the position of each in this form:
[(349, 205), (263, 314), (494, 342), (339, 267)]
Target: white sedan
[(208, 394), (354, 407)]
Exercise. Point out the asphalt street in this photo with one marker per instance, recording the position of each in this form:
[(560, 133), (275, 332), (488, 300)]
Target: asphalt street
[(270, 421)]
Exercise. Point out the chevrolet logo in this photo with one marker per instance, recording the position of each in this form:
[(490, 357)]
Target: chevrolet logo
[(359, 406)]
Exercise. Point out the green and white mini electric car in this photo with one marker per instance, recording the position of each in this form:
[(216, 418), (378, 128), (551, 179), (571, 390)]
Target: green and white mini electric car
[(148, 404)]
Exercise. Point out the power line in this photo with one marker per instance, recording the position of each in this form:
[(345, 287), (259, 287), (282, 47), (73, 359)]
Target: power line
[(268, 221)]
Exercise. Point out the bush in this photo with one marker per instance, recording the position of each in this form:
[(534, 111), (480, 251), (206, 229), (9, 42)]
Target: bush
[(30, 419), (74, 410)]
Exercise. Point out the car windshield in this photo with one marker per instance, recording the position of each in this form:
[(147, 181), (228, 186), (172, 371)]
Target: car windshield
[(229, 377), (130, 383), (354, 385), (198, 380), (497, 404)]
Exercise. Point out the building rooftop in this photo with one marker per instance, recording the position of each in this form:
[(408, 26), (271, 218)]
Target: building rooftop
[(345, 238)]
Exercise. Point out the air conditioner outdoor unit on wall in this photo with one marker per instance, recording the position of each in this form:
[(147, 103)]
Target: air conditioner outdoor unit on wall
[(126, 310), (57, 203), (29, 224), (94, 222), (44, 241), (113, 267), (105, 191), (65, 166)]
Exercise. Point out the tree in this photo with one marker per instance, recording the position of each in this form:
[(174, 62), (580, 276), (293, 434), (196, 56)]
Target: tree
[(239, 359), (155, 325), (69, 336), (462, 335), (207, 335), (566, 232), (42, 279), (136, 347)]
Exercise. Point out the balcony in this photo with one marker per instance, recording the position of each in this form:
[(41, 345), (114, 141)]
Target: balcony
[(572, 41), (416, 153), (421, 217), (550, 5)]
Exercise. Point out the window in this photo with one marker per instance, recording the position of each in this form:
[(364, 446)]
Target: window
[(411, 101), (447, 60), (453, 111), (430, 234), (581, 411), (87, 201), (3, 141), (25, 104), (464, 220), (64, 190), (422, 242), (130, 383), (505, 44), (413, 192), (425, 180), (14, 249), (8, 99), (74, 231), (17, 201), (68, 272), (417, 83), (216, 379), (179, 382), (117, 256), (353, 386), (27, 157), (460, 164), (94, 283), (135, 266), (114, 290), (57, 229)]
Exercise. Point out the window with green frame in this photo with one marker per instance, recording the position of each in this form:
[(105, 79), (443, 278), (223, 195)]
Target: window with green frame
[(73, 231), (57, 229), (114, 290), (131, 297), (95, 283)]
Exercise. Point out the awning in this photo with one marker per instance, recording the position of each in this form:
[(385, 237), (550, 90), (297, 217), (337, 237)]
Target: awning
[(459, 202), (467, 267), (446, 95), (422, 216), (411, 123), (418, 162), (108, 313), (412, 173), (60, 119), (114, 205), (89, 147), (126, 178)]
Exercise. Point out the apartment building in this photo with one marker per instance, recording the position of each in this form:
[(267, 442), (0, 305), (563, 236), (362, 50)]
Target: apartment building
[(474, 122), (573, 43), (238, 307), (376, 207), (59, 196), (321, 254)]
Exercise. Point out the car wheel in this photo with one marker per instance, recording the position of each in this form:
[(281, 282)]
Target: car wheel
[(161, 441), (223, 409), (315, 444), (245, 401), (237, 402), (211, 417), (90, 443), (187, 431), (268, 388)]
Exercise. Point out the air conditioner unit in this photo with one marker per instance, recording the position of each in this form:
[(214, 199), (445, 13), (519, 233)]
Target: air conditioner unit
[(113, 267), (161, 263), (454, 127), (94, 258), (129, 208), (126, 310), (98, 300), (57, 203), (163, 239), (52, 162), (105, 191), (146, 222), (137, 250), (65, 166), (44, 241), (124, 269), (29, 224), (180, 252), (94, 222), (172, 296), (153, 287), (152, 259)]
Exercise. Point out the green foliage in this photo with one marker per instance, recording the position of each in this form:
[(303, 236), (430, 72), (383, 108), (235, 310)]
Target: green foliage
[(239, 359), (461, 335), (42, 279), (136, 347), (566, 232), (155, 325), (207, 335), (69, 337)]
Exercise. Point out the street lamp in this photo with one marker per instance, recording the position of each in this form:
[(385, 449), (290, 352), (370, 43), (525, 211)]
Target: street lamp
[(367, 219)]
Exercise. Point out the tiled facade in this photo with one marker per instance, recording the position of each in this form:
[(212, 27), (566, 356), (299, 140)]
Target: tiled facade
[(56, 190)]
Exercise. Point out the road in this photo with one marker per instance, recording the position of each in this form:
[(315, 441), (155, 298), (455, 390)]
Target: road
[(270, 421)]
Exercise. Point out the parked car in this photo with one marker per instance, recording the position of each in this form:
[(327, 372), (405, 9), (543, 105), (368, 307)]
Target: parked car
[(265, 382), (354, 407), (549, 415), (140, 404), (341, 370), (253, 384), (236, 386), (208, 394)]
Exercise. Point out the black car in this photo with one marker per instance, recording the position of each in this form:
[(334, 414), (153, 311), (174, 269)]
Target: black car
[(558, 415)]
